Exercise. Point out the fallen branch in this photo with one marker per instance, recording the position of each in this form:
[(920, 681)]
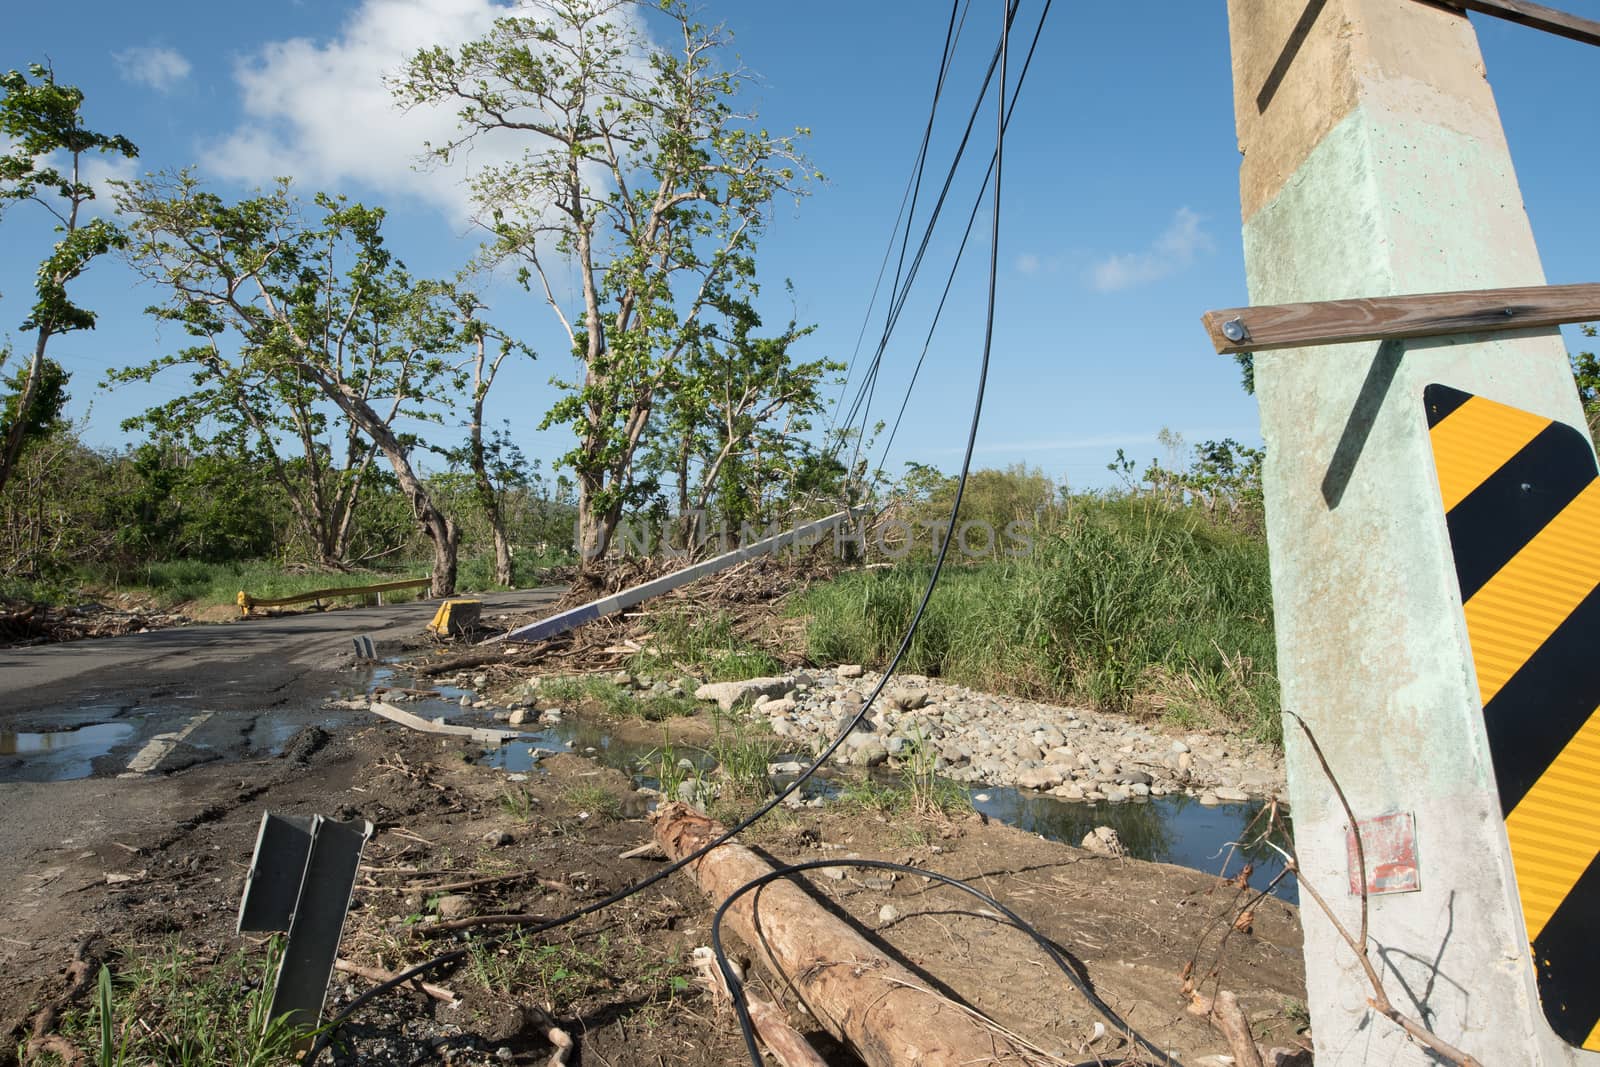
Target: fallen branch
[(557, 1037), (1379, 1001), (650, 850), (379, 975), (787, 1045), (849, 984), (461, 662), (501, 919), (1229, 1018), (477, 883)]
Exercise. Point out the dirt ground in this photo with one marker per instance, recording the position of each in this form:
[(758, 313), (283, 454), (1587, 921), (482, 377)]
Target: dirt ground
[(620, 982)]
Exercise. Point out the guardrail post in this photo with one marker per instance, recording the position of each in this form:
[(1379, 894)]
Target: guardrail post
[(1375, 164)]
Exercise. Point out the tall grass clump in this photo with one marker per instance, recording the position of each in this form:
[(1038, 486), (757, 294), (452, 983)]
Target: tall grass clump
[(171, 1004), (1127, 603), (705, 644)]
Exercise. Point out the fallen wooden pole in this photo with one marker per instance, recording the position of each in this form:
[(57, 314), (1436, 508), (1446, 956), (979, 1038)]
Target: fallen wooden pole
[(786, 1044), (849, 984), (627, 598)]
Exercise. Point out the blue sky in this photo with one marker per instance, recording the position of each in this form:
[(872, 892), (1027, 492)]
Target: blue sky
[(1120, 223)]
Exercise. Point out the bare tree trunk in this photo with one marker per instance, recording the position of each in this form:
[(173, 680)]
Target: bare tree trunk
[(19, 422), (490, 502), (438, 527)]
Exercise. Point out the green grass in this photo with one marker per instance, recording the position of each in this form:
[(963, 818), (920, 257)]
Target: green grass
[(601, 804), (190, 581), (919, 792), (168, 1004), (742, 758), (606, 696), (704, 644), (563, 976), (1126, 604), (476, 573), (176, 582), (519, 803)]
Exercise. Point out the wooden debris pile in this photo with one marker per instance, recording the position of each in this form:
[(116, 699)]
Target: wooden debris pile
[(23, 623)]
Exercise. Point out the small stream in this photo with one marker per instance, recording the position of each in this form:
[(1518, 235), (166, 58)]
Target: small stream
[(1171, 829)]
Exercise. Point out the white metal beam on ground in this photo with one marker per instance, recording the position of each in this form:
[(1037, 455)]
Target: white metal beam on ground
[(627, 598)]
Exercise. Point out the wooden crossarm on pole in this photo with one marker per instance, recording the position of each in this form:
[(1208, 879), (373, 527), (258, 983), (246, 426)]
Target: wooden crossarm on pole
[(1332, 322), (1535, 16)]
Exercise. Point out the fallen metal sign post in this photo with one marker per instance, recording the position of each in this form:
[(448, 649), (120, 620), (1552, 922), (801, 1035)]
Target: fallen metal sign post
[(301, 879), (627, 598), (484, 735)]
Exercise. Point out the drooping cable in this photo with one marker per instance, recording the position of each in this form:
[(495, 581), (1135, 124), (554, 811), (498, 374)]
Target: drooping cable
[(952, 36), (862, 404), (445, 959), (972, 218)]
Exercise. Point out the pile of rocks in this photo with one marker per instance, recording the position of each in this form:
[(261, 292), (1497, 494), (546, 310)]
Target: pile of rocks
[(982, 738)]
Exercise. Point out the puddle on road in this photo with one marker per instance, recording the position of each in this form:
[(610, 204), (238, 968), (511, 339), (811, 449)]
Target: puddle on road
[(63, 755), (1171, 829)]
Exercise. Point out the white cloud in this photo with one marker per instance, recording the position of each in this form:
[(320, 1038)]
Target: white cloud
[(1173, 251), (99, 171), (153, 65), (319, 110), (1028, 263)]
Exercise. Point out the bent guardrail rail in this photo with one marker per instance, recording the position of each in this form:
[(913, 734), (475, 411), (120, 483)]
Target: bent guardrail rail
[(247, 603)]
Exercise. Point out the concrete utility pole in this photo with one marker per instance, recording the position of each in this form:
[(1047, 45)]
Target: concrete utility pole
[(1375, 164)]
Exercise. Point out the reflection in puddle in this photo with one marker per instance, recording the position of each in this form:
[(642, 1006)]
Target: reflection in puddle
[(62, 755), (1170, 829)]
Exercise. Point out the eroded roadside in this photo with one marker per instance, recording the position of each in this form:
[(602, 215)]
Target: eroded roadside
[(109, 865)]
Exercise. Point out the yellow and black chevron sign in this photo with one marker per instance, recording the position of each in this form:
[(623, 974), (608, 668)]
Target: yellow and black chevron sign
[(1522, 501)]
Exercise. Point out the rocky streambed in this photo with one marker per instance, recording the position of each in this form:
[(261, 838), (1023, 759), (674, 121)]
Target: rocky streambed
[(981, 738)]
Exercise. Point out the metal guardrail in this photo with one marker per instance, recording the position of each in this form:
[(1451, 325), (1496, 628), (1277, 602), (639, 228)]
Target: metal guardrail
[(247, 602)]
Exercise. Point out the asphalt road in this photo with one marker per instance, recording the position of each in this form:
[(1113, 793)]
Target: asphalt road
[(141, 738), (151, 703)]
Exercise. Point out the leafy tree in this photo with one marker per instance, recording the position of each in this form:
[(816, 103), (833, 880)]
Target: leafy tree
[(494, 465), (1222, 478), (732, 415), (637, 170), (1586, 374), (272, 416), (304, 300), (43, 121)]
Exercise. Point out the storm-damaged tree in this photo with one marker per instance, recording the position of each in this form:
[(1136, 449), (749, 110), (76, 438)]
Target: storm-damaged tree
[(636, 170), (303, 298), (42, 123), (243, 404), (733, 418), (490, 462)]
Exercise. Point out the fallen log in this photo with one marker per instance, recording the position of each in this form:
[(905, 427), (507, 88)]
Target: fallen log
[(849, 984)]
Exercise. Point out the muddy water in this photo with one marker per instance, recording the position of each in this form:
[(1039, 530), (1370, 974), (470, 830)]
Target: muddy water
[(1171, 829), (63, 755)]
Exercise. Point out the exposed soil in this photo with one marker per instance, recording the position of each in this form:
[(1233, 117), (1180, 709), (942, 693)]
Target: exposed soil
[(620, 982)]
